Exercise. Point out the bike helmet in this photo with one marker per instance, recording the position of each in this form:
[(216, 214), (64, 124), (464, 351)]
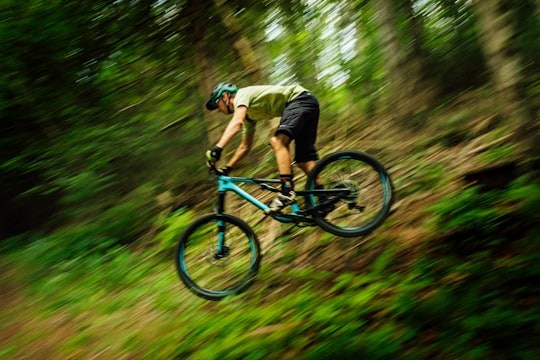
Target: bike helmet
[(216, 93)]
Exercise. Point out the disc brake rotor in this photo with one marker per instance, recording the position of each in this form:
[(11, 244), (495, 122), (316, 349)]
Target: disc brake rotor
[(354, 191)]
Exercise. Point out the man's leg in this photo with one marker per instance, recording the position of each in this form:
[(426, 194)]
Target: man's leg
[(307, 167), (280, 143)]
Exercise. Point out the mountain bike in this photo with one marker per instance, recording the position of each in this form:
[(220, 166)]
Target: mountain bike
[(219, 254)]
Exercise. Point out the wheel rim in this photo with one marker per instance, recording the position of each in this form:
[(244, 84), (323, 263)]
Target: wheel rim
[(368, 198), (211, 272)]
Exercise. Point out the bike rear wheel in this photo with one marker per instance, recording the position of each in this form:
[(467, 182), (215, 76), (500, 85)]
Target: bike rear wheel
[(217, 255), (369, 193)]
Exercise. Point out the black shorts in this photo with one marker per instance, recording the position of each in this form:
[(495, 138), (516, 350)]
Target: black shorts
[(299, 121)]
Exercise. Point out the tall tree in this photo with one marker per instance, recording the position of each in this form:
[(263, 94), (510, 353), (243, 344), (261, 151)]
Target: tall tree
[(198, 27), (401, 52), (506, 65), (241, 44), (211, 42)]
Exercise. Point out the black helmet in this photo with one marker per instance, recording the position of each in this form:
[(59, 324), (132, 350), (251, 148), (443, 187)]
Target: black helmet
[(219, 89)]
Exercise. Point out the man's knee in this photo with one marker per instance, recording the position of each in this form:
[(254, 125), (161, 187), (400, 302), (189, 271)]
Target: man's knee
[(279, 141)]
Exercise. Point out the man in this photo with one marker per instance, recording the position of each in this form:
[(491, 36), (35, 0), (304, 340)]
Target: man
[(299, 112)]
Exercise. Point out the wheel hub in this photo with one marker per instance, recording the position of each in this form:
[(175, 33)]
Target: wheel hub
[(354, 191)]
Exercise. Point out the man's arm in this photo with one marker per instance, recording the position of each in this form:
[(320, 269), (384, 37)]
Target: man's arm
[(242, 150), (235, 125)]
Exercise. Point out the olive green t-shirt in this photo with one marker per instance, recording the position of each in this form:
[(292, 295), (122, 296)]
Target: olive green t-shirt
[(265, 102)]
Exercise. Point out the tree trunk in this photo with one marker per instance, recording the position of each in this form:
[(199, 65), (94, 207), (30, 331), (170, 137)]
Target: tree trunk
[(409, 91), (196, 16), (506, 69), (241, 44), (246, 55)]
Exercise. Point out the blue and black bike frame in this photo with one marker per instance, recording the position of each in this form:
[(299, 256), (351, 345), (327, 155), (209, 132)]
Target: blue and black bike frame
[(297, 216), (228, 184)]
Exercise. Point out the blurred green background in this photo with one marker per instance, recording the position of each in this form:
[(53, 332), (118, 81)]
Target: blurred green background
[(103, 135)]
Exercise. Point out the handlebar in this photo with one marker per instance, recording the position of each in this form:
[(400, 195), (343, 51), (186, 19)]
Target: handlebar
[(214, 170)]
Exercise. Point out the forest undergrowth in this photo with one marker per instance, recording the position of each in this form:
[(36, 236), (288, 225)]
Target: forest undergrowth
[(449, 275)]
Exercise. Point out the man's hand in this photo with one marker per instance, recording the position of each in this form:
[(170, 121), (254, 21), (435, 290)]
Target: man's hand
[(213, 155)]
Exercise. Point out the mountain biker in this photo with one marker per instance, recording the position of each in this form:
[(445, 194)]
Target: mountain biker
[(299, 112)]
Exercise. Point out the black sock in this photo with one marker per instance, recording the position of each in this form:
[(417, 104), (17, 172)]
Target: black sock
[(287, 184)]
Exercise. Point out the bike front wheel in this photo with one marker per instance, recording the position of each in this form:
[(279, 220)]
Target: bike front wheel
[(368, 198), (217, 255)]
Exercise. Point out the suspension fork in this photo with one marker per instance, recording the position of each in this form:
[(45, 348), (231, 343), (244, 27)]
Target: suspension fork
[(221, 250), (221, 203)]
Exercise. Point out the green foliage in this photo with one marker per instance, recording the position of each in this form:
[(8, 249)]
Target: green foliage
[(94, 236), (171, 228), (82, 106), (487, 212), (86, 93), (423, 174), (471, 210), (455, 59), (524, 15), (454, 129), (527, 195), (484, 271), (82, 114), (499, 152), (483, 305)]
